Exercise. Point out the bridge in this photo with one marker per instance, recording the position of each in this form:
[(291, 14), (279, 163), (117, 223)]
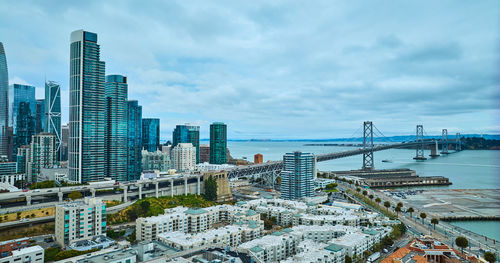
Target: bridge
[(271, 170)]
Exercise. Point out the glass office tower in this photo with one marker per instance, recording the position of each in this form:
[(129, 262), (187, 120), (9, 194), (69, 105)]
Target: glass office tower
[(116, 127), (40, 116), (297, 176), (86, 109), (134, 155), (4, 103), (187, 133), (218, 143), (53, 112), (22, 108), (150, 134)]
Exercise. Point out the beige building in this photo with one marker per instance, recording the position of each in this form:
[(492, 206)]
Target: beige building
[(80, 220), (223, 189), (184, 157)]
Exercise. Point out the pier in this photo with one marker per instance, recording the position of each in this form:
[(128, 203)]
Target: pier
[(391, 178)]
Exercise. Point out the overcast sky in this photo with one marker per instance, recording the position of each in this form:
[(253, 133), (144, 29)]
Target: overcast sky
[(278, 69)]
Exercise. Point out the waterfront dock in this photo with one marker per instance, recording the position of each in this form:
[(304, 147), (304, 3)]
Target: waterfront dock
[(391, 178)]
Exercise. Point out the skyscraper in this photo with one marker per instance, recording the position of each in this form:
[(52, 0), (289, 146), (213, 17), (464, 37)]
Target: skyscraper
[(40, 116), (43, 155), (65, 139), (184, 157), (86, 109), (53, 112), (4, 103), (150, 134), (134, 155), (187, 133), (22, 108), (297, 176), (116, 127), (218, 143)]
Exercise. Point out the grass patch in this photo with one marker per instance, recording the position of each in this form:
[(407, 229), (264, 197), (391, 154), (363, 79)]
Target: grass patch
[(56, 254), (41, 212), (331, 191), (111, 203), (15, 233), (156, 207)]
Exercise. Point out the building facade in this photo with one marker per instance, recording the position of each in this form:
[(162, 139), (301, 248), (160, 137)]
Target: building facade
[(184, 157), (297, 176), (4, 103), (43, 154), (65, 139), (86, 109), (187, 133), (53, 112), (204, 153), (40, 116), (134, 140), (116, 131), (258, 158), (150, 134), (218, 143), (22, 109), (156, 161), (80, 220)]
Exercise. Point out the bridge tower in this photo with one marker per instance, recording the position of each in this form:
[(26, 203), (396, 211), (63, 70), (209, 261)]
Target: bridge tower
[(434, 149), (420, 143), (444, 142), (368, 144), (458, 141)]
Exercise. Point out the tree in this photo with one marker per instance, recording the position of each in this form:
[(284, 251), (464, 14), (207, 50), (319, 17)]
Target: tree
[(365, 192), (371, 197), (211, 189), (462, 242), (400, 204), (348, 259), (423, 216), (75, 195), (358, 189), (378, 200), (145, 206), (434, 221), (410, 210), (18, 215), (397, 209), (331, 186), (387, 205), (490, 257)]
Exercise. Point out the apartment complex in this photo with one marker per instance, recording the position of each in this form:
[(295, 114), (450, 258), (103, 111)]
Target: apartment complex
[(297, 176), (184, 157)]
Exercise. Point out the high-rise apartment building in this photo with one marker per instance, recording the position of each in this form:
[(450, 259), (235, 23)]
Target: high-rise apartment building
[(4, 104), (86, 109), (184, 157), (43, 154), (218, 143), (40, 116), (64, 139), (134, 141), (22, 109), (187, 133), (150, 134), (80, 220), (116, 127), (297, 176), (53, 112), (23, 158), (204, 153), (159, 161)]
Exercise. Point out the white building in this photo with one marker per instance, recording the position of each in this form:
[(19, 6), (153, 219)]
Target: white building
[(312, 252), (156, 161), (119, 256), (184, 157), (207, 167), (322, 183), (32, 254), (80, 220)]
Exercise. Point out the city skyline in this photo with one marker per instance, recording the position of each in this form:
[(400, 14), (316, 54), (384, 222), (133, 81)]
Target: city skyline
[(264, 86)]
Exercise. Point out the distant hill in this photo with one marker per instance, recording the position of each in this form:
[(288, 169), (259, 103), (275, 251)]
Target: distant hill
[(399, 138)]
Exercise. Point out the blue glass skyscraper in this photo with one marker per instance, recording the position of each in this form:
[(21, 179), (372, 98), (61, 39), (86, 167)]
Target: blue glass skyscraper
[(218, 143), (187, 134), (40, 116), (4, 103), (86, 109), (53, 112), (116, 127), (150, 134), (22, 108), (134, 158), (297, 176)]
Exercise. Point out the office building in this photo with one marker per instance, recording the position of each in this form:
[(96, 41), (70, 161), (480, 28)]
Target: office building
[(4, 104), (80, 220), (64, 144), (184, 157), (187, 133), (53, 112), (43, 154), (134, 141), (22, 109), (258, 158), (204, 153), (218, 143), (116, 131), (23, 157), (297, 176), (156, 161), (150, 134), (86, 109), (8, 168), (40, 116)]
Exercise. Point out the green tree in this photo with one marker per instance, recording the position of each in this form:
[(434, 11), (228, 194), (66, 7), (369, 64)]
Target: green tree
[(423, 216), (145, 205), (348, 259), (490, 257), (400, 204), (18, 215), (462, 242), (358, 189), (211, 189), (397, 209), (371, 197), (434, 221), (75, 195), (378, 200), (387, 205), (410, 210), (331, 186), (365, 192)]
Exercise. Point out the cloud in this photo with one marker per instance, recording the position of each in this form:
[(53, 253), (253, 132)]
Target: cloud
[(280, 69)]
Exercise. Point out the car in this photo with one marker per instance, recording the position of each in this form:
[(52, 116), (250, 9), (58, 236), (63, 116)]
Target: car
[(25, 190), (36, 190), (49, 191)]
